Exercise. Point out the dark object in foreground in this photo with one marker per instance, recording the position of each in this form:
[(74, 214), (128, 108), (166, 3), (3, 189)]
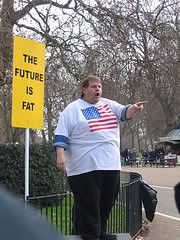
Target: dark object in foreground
[(18, 222), (149, 199), (177, 195)]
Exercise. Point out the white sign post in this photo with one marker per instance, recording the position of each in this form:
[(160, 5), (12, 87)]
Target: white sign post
[(26, 164)]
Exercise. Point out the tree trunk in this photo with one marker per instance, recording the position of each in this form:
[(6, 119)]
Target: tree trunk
[(6, 43)]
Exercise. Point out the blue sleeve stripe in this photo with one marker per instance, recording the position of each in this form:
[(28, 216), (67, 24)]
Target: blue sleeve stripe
[(61, 138), (123, 113), (60, 144), (60, 141)]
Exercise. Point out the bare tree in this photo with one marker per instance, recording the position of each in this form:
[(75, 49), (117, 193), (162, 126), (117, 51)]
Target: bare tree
[(13, 16), (134, 47)]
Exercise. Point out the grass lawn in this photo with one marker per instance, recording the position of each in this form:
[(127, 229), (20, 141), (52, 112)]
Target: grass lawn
[(60, 216)]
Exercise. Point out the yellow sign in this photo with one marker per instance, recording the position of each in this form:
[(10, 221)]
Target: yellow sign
[(28, 83)]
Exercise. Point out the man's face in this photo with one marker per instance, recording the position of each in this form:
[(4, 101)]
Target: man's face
[(93, 92)]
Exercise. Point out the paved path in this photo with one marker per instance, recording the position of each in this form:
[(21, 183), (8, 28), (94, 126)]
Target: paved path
[(163, 228), (166, 224), (166, 203), (166, 177)]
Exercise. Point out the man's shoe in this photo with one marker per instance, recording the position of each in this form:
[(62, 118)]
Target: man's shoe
[(108, 236), (90, 238)]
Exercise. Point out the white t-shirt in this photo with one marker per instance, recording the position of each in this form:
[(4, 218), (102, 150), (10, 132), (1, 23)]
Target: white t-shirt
[(90, 132)]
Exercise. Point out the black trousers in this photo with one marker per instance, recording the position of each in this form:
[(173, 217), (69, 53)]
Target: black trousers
[(94, 194)]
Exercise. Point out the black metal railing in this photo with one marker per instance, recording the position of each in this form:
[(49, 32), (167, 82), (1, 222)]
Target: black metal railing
[(125, 217)]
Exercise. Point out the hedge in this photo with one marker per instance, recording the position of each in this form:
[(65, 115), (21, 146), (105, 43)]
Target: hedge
[(44, 177)]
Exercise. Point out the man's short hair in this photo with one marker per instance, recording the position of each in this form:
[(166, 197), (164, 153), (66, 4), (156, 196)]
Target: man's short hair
[(89, 78)]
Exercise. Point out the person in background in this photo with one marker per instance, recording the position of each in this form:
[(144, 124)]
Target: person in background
[(152, 157), (125, 155), (144, 157), (87, 145), (161, 154), (132, 157)]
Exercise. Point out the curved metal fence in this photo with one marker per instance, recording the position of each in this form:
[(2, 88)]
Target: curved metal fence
[(125, 217)]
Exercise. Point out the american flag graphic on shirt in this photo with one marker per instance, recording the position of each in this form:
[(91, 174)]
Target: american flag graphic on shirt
[(100, 118)]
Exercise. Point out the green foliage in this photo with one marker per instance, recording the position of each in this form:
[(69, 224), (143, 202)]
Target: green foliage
[(44, 177)]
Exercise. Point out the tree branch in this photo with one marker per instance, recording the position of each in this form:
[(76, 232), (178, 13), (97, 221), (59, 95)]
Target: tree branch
[(21, 13)]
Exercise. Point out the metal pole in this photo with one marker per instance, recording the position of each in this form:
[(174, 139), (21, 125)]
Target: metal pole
[(26, 164)]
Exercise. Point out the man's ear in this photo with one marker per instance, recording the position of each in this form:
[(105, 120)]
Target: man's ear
[(83, 90)]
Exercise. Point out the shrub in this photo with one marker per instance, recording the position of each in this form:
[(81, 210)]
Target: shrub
[(44, 177)]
